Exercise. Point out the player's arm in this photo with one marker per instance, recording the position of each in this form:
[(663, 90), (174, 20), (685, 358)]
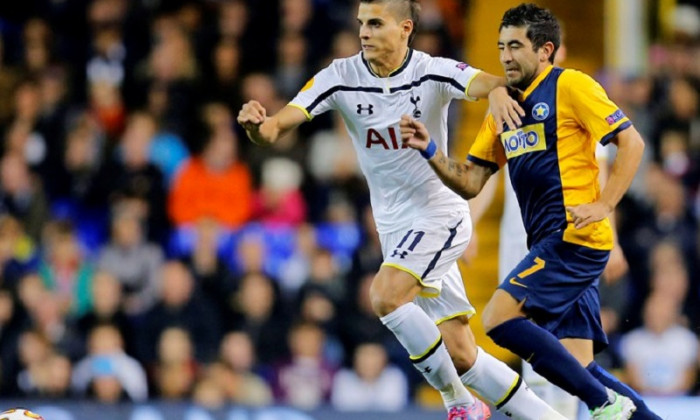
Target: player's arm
[(465, 178), (630, 148), (264, 130), (502, 106)]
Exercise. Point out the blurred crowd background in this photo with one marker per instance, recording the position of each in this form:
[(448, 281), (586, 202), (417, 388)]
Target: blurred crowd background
[(149, 251)]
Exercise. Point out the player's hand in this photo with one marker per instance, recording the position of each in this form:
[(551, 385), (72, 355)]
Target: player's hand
[(251, 116), (585, 214), (617, 265), (505, 109), (413, 133)]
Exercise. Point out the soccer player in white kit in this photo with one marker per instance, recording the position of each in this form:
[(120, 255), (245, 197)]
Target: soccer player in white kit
[(424, 227)]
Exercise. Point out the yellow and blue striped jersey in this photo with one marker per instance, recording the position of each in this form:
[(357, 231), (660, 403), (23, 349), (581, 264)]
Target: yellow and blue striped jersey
[(551, 157)]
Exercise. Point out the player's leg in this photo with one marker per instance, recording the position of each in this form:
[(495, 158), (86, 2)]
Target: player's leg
[(506, 324), (491, 378), (392, 293)]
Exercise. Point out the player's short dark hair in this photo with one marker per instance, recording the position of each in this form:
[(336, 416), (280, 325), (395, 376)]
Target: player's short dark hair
[(410, 9), (542, 25)]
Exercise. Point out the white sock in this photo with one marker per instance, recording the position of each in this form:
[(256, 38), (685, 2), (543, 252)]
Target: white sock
[(503, 388), (556, 397), (421, 338)]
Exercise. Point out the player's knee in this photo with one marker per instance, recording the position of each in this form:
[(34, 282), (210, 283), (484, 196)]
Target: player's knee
[(386, 295), (490, 318), (463, 359)]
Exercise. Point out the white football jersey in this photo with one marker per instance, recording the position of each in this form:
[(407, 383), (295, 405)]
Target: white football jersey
[(402, 184)]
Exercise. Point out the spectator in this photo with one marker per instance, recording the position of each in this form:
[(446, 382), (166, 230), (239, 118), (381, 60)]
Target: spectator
[(132, 260), (179, 305), (65, 271), (215, 184), (175, 371), (258, 311), (306, 365), (107, 372), (661, 356), (107, 301), (21, 195), (238, 354), (371, 385)]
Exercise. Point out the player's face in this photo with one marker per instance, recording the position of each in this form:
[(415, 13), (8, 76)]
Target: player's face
[(520, 61), (382, 33)]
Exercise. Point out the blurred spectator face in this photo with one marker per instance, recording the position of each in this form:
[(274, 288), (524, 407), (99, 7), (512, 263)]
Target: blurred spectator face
[(137, 139), (105, 340), (106, 293), (256, 296), (64, 249), (295, 15), (260, 87), (345, 44), (52, 86), (220, 152), (318, 308), (107, 389), (59, 378), (306, 342), (31, 291), (81, 145), (306, 239), (127, 230), (190, 16), (227, 57), (33, 348), (175, 346), (429, 42), (674, 152), (106, 12), (27, 101), (671, 203), (175, 381), (671, 281), (684, 99), (208, 394), (233, 18), (291, 49), (370, 361), (177, 285), (217, 116), (251, 253), (660, 313), (323, 267), (157, 100), (208, 231), (237, 351)]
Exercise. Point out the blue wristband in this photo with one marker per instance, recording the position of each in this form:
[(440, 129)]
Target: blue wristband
[(430, 151)]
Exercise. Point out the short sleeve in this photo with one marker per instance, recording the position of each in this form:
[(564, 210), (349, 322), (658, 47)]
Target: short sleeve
[(487, 149), (316, 97), (458, 76), (591, 106)]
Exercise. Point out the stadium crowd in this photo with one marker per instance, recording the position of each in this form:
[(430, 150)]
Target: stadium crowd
[(147, 250)]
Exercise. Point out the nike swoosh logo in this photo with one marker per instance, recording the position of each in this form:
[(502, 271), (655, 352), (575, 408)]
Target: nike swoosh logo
[(515, 282)]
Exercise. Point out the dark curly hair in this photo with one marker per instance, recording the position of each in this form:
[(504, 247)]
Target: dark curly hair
[(542, 25)]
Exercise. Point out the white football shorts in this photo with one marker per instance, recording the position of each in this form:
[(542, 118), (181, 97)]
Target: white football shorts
[(428, 250)]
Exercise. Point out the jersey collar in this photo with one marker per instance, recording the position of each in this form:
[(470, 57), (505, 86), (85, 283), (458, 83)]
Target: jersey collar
[(540, 77), (403, 65)]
